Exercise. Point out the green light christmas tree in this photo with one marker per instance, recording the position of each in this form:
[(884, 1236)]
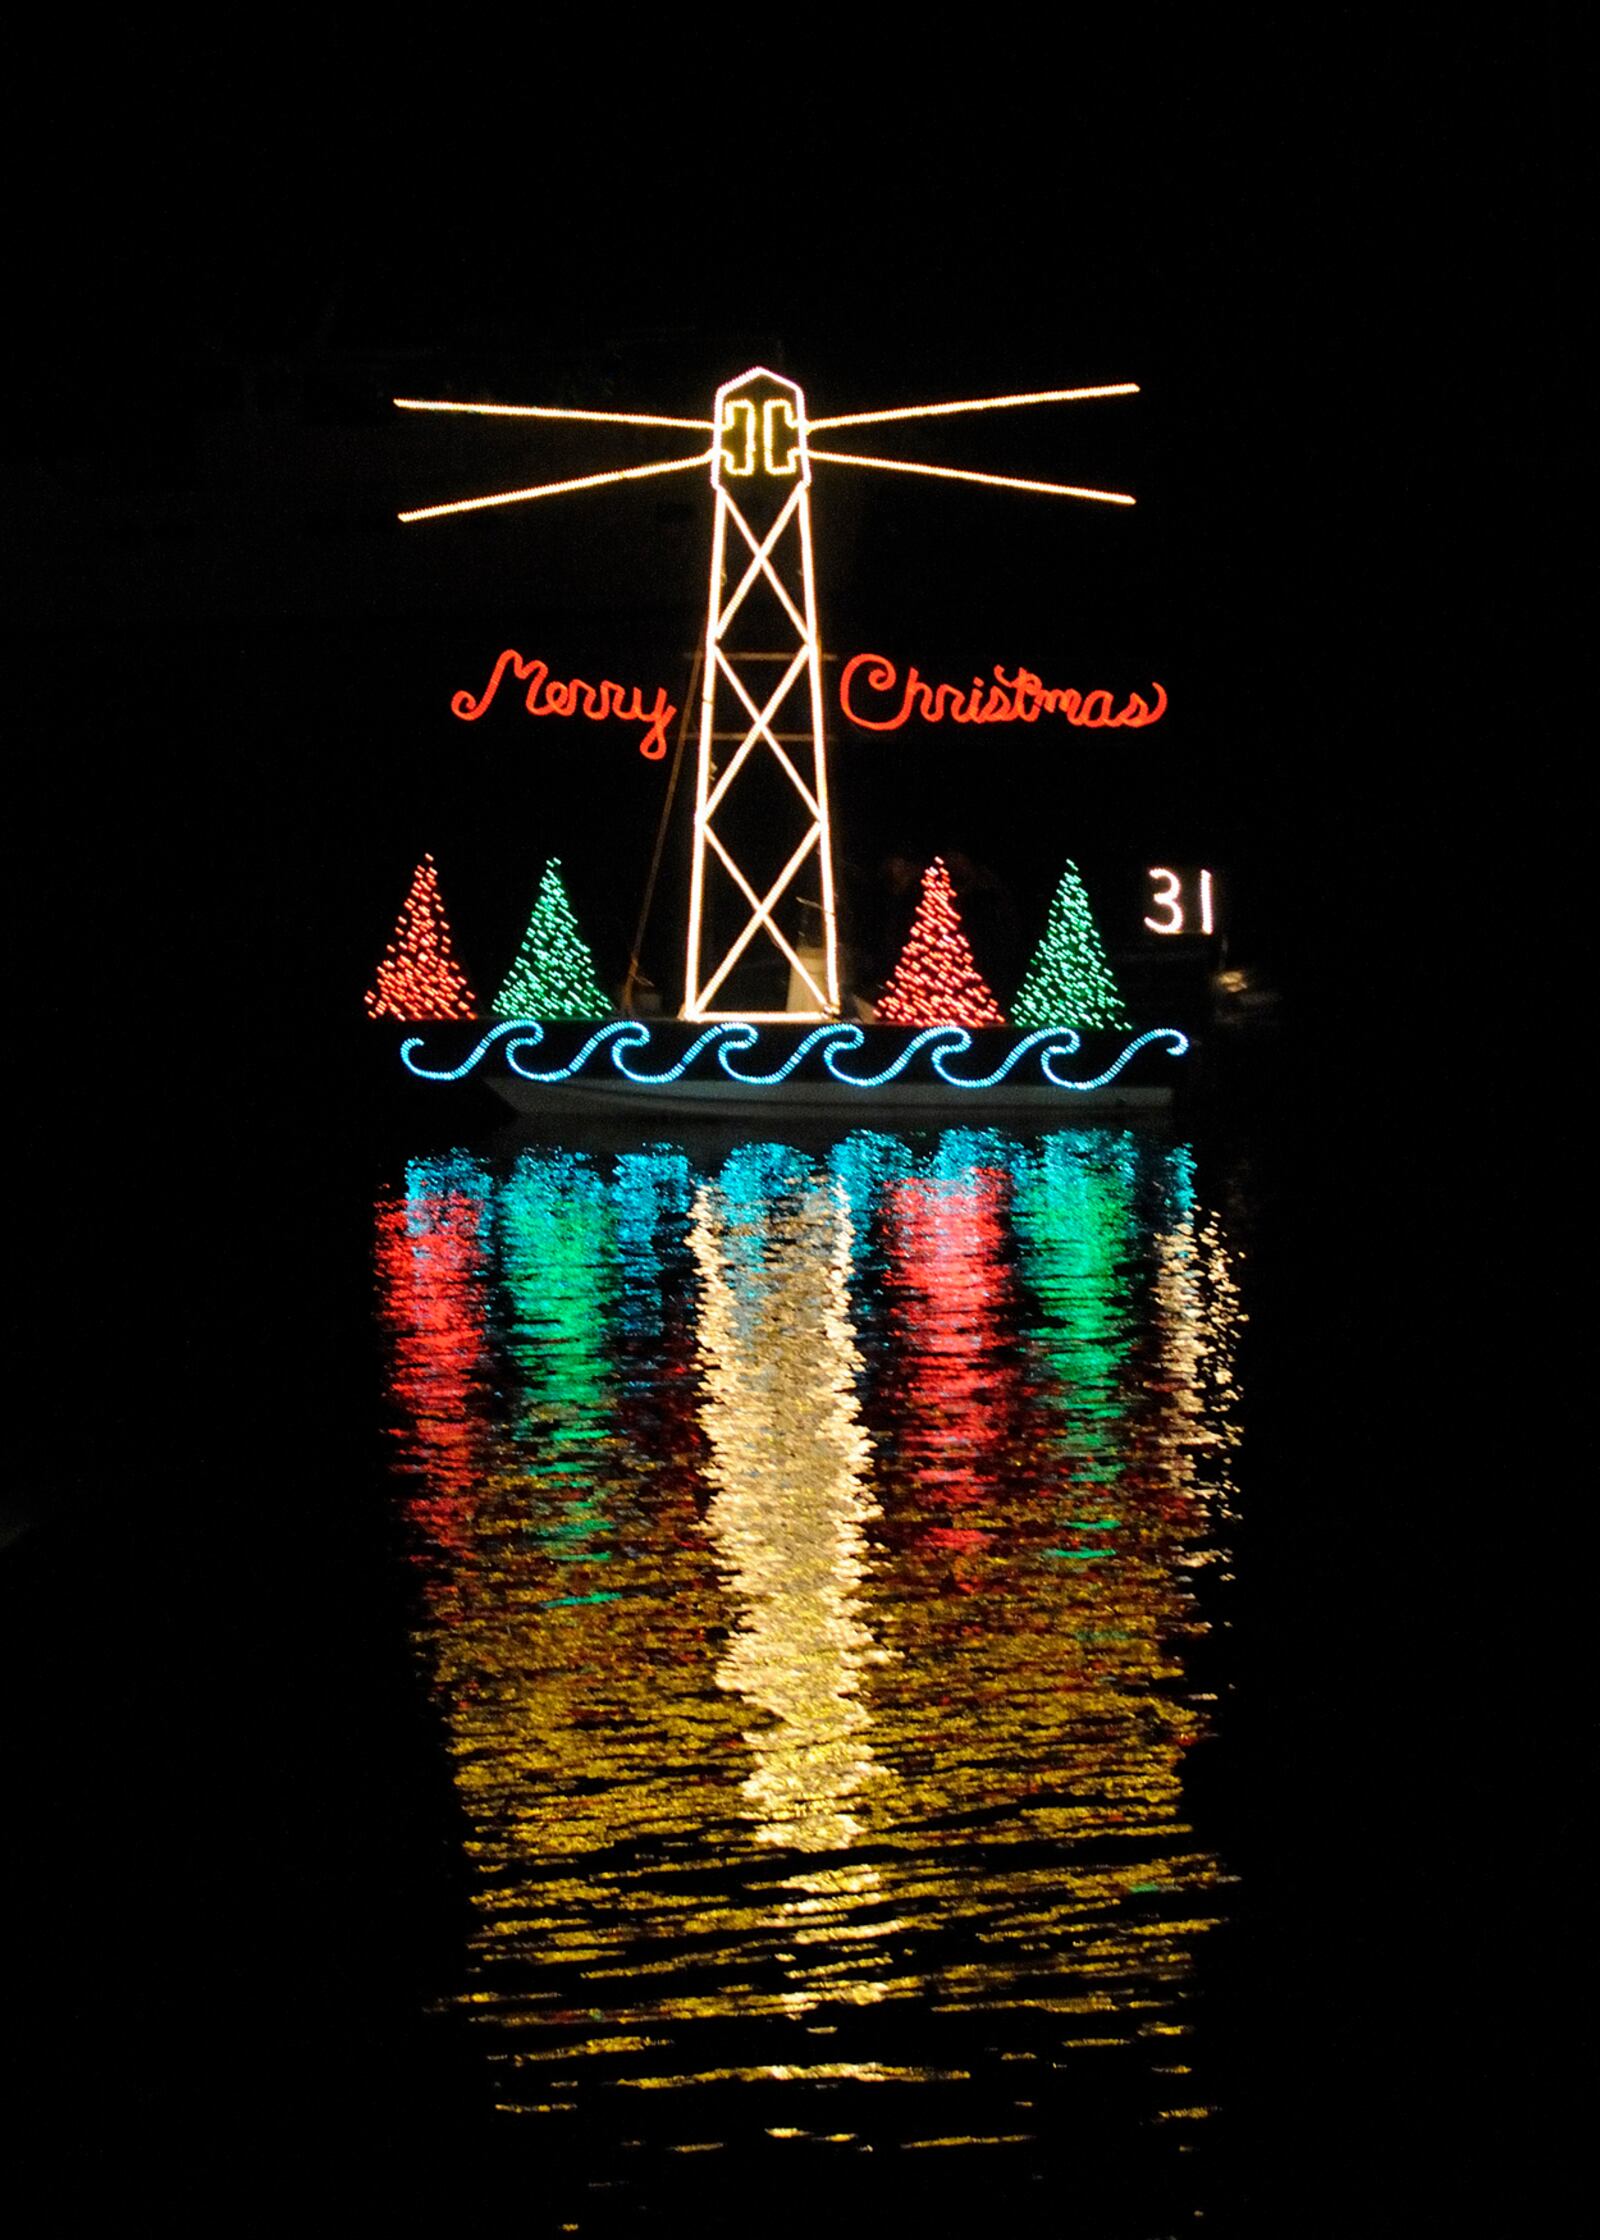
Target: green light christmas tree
[(553, 976), (1070, 982)]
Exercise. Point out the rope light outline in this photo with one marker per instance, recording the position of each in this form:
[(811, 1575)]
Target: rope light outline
[(836, 1039), (702, 988)]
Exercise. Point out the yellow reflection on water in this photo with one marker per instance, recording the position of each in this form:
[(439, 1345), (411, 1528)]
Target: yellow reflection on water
[(789, 1464), (815, 1549)]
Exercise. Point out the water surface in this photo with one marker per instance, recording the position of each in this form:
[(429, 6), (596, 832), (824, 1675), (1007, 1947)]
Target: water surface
[(822, 1561)]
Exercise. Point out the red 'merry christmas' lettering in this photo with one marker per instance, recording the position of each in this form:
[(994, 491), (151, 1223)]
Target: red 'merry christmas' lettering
[(546, 697), (1020, 698)]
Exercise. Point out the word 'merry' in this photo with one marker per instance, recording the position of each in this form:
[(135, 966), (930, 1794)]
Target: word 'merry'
[(1022, 698), (599, 701)]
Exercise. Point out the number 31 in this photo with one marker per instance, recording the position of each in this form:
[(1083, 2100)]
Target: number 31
[(1168, 897)]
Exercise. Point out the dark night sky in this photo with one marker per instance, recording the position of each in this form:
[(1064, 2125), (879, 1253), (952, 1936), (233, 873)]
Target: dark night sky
[(236, 661), (1337, 269), (1334, 257)]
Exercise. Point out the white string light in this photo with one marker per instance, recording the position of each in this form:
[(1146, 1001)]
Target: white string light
[(556, 489), (974, 404), (760, 725), (761, 564), (549, 412), (761, 916), (965, 474), (779, 419)]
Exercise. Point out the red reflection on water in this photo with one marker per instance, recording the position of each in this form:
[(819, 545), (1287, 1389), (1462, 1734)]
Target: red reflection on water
[(432, 1280), (955, 1388)]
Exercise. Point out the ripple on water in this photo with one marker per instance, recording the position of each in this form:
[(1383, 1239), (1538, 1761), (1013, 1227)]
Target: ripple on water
[(812, 1554)]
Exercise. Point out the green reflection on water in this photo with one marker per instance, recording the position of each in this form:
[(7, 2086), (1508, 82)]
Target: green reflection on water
[(1072, 1204), (813, 1641)]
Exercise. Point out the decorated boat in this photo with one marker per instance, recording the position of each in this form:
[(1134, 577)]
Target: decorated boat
[(766, 1015)]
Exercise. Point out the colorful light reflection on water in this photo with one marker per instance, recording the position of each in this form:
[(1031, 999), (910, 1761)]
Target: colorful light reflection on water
[(814, 1546)]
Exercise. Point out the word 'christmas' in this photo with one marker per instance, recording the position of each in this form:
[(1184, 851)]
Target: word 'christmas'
[(1019, 698), (598, 701)]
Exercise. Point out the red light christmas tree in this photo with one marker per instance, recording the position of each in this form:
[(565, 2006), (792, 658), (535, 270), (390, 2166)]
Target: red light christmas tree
[(419, 977), (936, 983)]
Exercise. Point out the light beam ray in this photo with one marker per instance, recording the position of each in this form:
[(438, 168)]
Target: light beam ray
[(965, 474), (555, 489), (974, 404), (549, 412)]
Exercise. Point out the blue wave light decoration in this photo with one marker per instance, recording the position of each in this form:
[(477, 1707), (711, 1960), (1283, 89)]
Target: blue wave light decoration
[(623, 1040)]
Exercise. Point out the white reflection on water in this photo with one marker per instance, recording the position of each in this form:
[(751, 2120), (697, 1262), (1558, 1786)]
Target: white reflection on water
[(813, 1547), (790, 1463)]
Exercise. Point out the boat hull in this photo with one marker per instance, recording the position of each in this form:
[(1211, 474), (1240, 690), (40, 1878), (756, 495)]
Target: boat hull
[(836, 1071)]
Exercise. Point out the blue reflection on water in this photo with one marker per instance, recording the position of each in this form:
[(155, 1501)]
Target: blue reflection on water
[(811, 1609)]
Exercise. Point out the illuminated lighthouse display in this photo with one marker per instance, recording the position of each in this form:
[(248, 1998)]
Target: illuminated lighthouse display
[(762, 699), (764, 995)]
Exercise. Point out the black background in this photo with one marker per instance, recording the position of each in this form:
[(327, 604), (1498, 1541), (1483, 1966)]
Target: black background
[(1336, 265)]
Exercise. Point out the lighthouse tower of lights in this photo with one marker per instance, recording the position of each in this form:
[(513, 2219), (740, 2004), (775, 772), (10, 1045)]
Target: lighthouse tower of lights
[(761, 809), (762, 768)]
